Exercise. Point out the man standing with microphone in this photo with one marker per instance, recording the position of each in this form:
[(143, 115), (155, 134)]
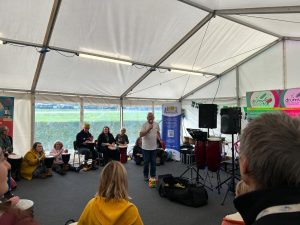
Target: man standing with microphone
[(149, 134)]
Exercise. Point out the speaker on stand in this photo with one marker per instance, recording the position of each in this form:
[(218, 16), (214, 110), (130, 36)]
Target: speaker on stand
[(231, 124)]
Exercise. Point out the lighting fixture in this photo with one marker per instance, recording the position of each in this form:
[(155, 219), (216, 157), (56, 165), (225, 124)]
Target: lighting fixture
[(186, 72), (104, 59), (1, 42)]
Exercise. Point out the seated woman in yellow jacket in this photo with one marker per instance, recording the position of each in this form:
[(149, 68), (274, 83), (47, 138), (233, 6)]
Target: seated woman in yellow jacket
[(111, 205), (33, 165)]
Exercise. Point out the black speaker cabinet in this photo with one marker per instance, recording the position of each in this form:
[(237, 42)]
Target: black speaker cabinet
[(208, 115), (231, 120)]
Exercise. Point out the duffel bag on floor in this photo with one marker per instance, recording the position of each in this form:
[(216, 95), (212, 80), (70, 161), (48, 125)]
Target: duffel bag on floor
[(180, 190)]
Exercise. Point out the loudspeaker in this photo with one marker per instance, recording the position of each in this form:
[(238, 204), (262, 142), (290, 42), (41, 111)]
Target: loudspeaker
[(231, 120), (208, 115)]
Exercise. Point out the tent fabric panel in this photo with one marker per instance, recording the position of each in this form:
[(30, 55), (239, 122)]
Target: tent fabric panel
[(85, 76), (282, 24), (217, 46), (234, 4), (135, 30), (292, 58), (22, 121), (264, 72), (167, 85), (17, 66), (227, 88), (24, 20)]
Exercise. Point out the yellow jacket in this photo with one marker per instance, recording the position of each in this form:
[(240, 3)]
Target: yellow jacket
[(29, 163), (112, 212)]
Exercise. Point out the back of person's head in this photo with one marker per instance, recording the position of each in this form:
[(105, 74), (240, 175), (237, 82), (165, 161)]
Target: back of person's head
[(241, 188), (270, 151), (113, 182)]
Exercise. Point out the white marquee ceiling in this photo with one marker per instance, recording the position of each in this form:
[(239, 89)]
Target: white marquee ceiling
[(155, 34)]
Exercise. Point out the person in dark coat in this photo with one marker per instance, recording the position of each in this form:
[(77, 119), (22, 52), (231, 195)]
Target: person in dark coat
[(269, 164), (107, 145)]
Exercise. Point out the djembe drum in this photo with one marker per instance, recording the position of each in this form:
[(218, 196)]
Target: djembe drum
[(15, 162), (123, 153), (49, 161), (65, 157), (26, 205)]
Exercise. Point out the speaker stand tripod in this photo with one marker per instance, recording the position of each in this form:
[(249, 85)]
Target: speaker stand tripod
[(231, 180), (192, 169)]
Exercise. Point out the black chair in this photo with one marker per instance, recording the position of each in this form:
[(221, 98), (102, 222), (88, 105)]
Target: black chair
[(76, 152)]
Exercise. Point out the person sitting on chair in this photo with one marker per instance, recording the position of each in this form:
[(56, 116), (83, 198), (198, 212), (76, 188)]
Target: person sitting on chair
[(85, 145), (106, 144), (33, 165), (5, 140), (138, 152), (122, 138), (111, 204), (269, 164)]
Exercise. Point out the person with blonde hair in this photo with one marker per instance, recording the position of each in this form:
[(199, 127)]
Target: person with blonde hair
[(236, 218), (111, 204)]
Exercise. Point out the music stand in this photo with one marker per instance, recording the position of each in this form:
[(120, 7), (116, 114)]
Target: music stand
[(197, 135)]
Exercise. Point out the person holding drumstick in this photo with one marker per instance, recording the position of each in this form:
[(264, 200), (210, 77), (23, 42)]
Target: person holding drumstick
[(33, 165), (106, 144)]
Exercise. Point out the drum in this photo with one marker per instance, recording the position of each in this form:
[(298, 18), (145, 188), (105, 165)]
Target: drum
[(200, 154), (15, 162), (123, 153), (26, 205), (213, 154), (49, 161), (111, 147), (65, 157)]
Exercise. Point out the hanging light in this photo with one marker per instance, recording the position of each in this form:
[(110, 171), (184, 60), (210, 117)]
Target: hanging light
[(106, 59), (186, 72)]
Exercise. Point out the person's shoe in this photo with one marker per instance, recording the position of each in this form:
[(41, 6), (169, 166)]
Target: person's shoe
[(80, 167), (146, 178), (87, 167)]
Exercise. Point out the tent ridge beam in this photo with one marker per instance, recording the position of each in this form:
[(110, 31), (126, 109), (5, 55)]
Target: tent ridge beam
[(261, 10), (196, 5), (48, 34), (171, 51)]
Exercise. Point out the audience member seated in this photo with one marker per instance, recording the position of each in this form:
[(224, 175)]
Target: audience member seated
[(235, 218), (161, 155), (60, 164), (86, 146), (33, 165), (107, 146), (9, 214), (122, 138), (270, 166), (5, 140), (138, 152), (111, 204)]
